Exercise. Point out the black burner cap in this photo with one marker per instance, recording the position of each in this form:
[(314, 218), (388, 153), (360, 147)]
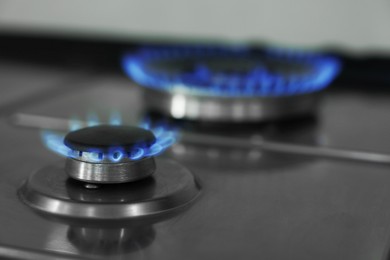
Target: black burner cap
[(105, 137)]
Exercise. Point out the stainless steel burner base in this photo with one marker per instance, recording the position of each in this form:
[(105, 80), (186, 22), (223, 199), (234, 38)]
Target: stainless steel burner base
[(229, 109), (50, 190), (110, 172)]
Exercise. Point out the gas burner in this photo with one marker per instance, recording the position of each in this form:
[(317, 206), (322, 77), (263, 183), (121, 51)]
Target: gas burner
[(110, 154), (113, 174), (230, 84)]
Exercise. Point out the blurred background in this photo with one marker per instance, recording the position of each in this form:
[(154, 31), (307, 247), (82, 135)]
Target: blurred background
[(85, 33), (359, 26)]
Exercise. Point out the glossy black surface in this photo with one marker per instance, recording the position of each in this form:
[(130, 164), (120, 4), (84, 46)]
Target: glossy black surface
[(105, 137), (315, 209)]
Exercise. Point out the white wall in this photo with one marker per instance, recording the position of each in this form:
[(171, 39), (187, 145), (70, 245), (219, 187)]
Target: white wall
[(357, 24)]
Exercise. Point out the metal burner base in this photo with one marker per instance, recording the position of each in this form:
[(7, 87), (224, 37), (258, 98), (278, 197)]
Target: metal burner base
[(110, 172), (230, 109), (50, 190)]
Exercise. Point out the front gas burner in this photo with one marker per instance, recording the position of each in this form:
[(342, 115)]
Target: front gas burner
[(118, 163), (110, 154), (230, 84)]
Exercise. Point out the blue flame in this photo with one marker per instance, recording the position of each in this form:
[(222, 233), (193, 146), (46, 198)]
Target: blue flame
[(116, 154), (165, 137), (55, 142), (75, 124), (115, 118), (92, 119), (137, 153), (256, 82)]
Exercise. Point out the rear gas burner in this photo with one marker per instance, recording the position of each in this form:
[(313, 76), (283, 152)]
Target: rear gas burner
[(230, 84), (118, 161)]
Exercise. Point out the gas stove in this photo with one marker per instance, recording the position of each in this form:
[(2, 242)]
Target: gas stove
[(204, 153)]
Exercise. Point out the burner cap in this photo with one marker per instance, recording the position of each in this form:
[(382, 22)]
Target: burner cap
[(103, 138)]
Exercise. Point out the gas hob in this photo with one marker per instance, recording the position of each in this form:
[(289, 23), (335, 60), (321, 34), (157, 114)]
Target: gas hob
[(254, 202)]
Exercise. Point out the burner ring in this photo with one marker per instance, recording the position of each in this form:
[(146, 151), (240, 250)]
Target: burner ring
[(48, 190)]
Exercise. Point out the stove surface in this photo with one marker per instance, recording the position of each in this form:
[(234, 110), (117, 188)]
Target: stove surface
[(276, 206)]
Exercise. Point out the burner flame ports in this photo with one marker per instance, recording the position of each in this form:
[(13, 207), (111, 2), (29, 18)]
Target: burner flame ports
[(106, 153)]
